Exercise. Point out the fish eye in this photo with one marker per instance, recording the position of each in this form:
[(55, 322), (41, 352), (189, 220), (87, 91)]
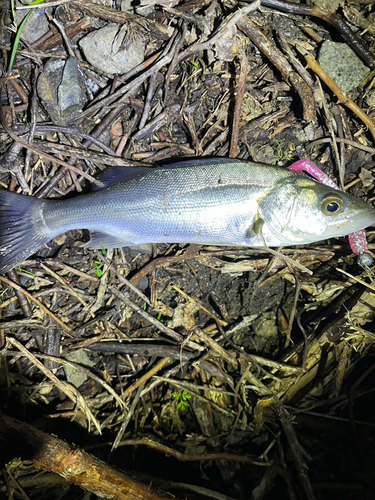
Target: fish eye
[(331, 204)]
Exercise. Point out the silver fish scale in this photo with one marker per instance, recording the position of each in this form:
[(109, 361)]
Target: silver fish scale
[(212, 204)]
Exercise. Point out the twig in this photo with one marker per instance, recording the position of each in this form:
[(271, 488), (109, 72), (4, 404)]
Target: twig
[(73, 270), (192, 457), (124, 280), (222, 30), (52, 454), (342, 97), (141, 380), (280, 61), (190, 253), (220, 351), (69, 390), (45, 155), (128, 417), (149, 98), (233, 149), (65, 284), (354, 144), (355, 278), (155, 322), (22, 300), (293, 311), (187, 297), (37, 302), (131, 87), (89, 373), (334, 19)]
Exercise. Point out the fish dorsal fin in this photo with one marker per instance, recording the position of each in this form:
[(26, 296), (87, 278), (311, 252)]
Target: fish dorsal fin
[(114, 174), (198, 162)]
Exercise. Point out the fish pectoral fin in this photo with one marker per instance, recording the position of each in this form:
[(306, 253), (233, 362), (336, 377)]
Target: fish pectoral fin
[(99, 239), (255, 229)]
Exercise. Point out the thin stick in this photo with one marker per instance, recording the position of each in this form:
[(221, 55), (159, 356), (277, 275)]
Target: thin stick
[(155, 322), (32, 148), (212, 315), (358, 280), (69, 390), (141, 380), (192, 457), (37, 302), (237, 108), (340, 94), (65, 284)]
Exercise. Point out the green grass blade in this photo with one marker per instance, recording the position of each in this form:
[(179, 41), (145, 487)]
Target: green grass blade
[(16, 42)]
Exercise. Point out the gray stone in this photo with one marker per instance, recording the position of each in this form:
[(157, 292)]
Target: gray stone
[(99, 49), (265, 325), (61, 90), (342, 64), (35, 26), (74, 375)]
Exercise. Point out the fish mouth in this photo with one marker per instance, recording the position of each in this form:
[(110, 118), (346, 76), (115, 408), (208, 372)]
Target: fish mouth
[(355, 223)]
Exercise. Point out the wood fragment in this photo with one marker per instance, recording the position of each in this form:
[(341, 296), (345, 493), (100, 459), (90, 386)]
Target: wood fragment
[(52, 454), (37, 302), (192, 457), (279, 60), (240, 91), (341, 95)]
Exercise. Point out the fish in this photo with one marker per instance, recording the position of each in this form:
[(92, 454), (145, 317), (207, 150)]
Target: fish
[(220, 201)]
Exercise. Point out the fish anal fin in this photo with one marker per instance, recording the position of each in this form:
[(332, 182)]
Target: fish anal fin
[(99, 239)]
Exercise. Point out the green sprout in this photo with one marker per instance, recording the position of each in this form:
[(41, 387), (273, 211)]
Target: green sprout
[(252, 110), (13, 9), (181, 398), (24, 271), (281, 154), (194, 64), (33, 3), (367, 78), (98, 266)]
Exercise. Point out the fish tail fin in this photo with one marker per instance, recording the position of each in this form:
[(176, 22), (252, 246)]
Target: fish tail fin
[(22, 229)]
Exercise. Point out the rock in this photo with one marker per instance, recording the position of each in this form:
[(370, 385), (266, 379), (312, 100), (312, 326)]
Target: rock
[(74, 375), (35, 26), (61, 90), (265, 325), (98, 47), (342, 65)]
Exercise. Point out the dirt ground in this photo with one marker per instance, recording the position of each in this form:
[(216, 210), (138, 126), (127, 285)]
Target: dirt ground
[(191, 371)]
